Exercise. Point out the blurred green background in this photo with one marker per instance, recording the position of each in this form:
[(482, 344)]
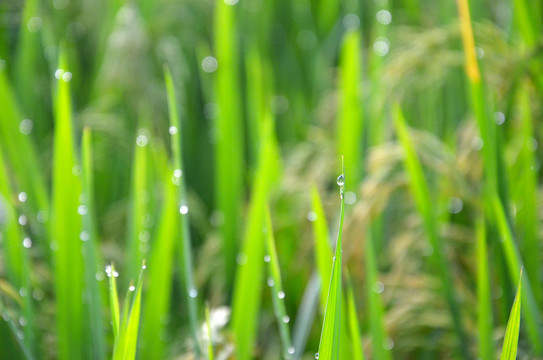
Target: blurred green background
[(164, 130)]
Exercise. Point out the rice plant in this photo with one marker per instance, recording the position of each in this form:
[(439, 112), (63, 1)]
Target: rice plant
[(202, 139)]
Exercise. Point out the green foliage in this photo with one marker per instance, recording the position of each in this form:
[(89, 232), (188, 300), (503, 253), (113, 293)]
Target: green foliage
[(510, 342)]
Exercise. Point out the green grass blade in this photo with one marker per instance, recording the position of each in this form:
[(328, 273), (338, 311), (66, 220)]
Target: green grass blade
[(278, 294), (484, 300), (158, 293), (510, 342), (323, 253), (329, 347), (113, 300), (125, 344), (184, 247), (421, 194), (20, 151), (229, 135), (209, 335), (354, 327), (249, 277), (10, 340), (66, 227), (138, 234), (95, 342), (514, 262)]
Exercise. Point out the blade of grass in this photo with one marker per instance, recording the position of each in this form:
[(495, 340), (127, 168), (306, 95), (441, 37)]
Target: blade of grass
[(329, 342), (10, 338), (484, 300), (209, 335), (125, 344), (184, 247), (510, 342), (66, 227), (229, 135), (514, 262), (278, 295), (138, 234), (249, 277), (423, 201), (20, 151), (95, 342), (323, 253), (354, 328), (113, 300), (158, 293)]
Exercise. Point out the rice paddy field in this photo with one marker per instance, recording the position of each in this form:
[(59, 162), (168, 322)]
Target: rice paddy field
[(271, 179)]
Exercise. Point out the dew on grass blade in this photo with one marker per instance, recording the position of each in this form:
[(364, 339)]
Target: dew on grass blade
[(84, 235), (316, 355), (184, 209), (25, 126), (22, 220), (286, 319), (193, 293), (22, 196), (27, 243), (173, 130), (82, 210), (131, 288), (341, 180), (281, 294)]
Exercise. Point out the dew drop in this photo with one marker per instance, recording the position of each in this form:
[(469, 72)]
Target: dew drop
[(115, 274), (22, 220), (209, 64), (193, 293), (316, 355), (455, 205), (144, 236), (381, 46), (286, 319), (173, 130), (142, 140), (76, 170), (132, 288), (23, 292), (99, 275), (22, 321), (59, 73), (144, 266), (34, 24), (25, 126), (350, 198), (281, 294), (22, 196), (184, 209), (312, 216), (270, 282), (231, 2), (38, 294), (267, 258), (291, 350), (341, 180), (27, 243), (378, 287), (67, 76), (84, 235), (388, 344), (82, 210), (499, 117), (351, 22), (384, 17), (177, 173)]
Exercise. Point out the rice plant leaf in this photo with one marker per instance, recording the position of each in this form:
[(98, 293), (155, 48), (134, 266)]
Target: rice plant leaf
[(10, 339), (484, 300), (329, 346), (249, 276), (180, 194), (229, 140), (66, 226), (354, 327), (209, 335), (113, 300), (160, 278), (514, 262), (96, 341), (510, 343), (278, 295)]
